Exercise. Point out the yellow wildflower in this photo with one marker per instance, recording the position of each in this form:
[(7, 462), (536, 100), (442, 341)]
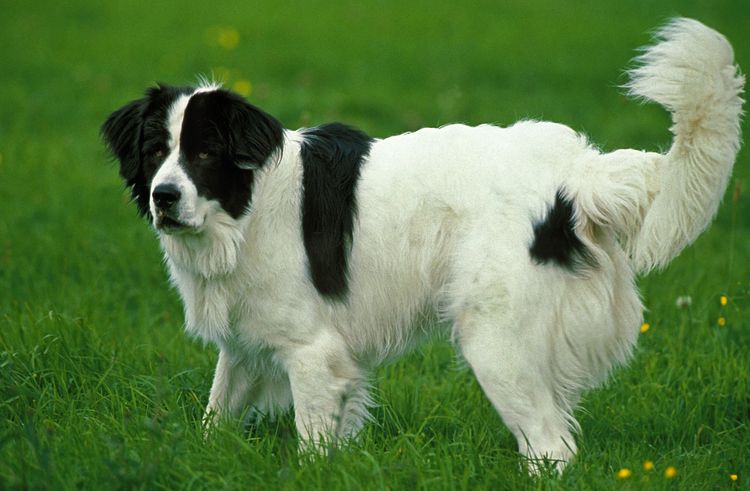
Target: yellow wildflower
[(721, 321), (723, 300), (648, 465), (733, 477), (670, 472), (242, 87), (228, 37), (645, 327), (624, 473)]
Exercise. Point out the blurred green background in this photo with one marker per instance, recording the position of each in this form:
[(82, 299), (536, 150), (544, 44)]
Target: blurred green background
[(100, 388)]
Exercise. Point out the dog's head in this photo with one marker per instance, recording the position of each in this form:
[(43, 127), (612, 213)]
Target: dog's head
[(187, 154)]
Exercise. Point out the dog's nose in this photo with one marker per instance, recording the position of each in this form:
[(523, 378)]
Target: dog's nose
[(165, 195)]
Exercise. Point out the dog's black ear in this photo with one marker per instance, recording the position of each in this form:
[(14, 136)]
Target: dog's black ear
[(253, 134), (122, 133)]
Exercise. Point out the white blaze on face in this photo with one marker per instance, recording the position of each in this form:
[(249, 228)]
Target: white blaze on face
[(191, 209)]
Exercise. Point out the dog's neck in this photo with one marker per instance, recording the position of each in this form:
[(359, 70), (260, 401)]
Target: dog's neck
[(200, 266), (210, 254)]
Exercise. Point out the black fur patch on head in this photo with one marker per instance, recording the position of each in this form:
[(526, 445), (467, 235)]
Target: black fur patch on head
[(332, 156), (136, 134), (555, 239), (223, 140)]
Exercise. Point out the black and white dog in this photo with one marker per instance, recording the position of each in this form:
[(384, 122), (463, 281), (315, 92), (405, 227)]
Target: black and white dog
[(307, 255)]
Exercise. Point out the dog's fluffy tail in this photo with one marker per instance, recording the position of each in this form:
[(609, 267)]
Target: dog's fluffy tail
[(658, 204)]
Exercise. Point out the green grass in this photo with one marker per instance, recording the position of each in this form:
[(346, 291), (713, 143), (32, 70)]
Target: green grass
[(99, 388)]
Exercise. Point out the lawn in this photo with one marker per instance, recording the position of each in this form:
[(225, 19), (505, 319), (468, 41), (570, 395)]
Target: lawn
[(99, 387)]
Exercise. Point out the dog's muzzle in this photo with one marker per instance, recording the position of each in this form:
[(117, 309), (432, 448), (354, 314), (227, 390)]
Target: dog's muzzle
[(165, 197)]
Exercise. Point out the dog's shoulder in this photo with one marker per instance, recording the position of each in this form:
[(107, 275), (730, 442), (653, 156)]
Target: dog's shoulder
[(332, 156)]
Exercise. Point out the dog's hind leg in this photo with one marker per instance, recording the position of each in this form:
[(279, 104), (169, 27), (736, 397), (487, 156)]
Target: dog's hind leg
[(510, 361)]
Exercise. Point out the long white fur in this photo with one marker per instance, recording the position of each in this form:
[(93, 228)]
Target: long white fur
[(692, 74), (444, 224)]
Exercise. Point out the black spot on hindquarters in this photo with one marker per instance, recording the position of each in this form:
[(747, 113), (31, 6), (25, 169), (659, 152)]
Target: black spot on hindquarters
[(332, 156), (555, 239)]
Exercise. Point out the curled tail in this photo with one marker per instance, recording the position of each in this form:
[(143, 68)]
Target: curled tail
[(691, 72), (658, 204)]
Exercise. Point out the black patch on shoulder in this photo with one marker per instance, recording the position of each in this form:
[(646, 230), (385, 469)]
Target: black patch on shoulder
[(555, 239), (223, 140), (332, 156)]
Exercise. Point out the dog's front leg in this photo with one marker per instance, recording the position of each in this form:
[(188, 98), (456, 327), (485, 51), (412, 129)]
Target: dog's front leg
[(330, 392), (229, 392)]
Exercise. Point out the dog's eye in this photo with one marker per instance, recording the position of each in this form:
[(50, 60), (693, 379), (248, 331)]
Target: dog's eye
[(158, 154), (203, 156)]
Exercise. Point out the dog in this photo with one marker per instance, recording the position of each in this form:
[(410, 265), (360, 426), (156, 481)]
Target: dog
[(309, 257)]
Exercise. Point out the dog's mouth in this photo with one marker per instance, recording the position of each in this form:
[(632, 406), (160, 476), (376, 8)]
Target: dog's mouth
[(170, 225)]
